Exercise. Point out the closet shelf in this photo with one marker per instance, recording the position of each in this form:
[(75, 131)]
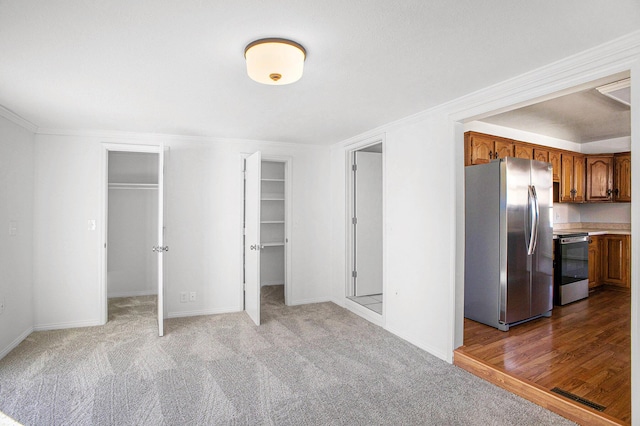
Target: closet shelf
[(271, 180), (272, 221), (272, 199), (133, 186), (279, 244)]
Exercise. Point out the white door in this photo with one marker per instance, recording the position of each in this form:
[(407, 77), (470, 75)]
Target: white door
[(368, 226), (161, 248), (252, 236)]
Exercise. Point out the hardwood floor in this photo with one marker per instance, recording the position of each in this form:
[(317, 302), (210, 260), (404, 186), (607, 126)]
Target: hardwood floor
[(584, 349)]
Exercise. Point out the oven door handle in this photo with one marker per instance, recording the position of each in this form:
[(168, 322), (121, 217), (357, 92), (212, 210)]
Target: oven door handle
[(534, 214)]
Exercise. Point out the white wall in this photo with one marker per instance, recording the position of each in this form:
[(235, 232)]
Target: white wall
[(132, 266), (606, 213), (203, 224), (16, 251), (419, 232), (566, 213), (606, 146)]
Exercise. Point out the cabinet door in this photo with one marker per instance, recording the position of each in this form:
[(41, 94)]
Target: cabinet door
[(595, 274), (615, 260), (578, 178), (523, 151), (599, 178), (481, 149), (554, 159), (540, 155), (622, 180), (566, 179), (503, 148)]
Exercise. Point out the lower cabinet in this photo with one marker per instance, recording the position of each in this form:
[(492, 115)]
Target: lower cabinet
[(616, 264), (595, 261)]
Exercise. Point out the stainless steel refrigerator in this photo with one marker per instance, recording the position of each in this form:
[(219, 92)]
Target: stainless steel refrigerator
[(508, 242)]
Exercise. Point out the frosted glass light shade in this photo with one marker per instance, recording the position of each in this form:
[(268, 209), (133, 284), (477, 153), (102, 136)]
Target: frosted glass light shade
[(275, 61)]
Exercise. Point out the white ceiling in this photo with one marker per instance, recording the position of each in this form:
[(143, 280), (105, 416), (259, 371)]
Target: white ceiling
[(581, 117), (177, 67)]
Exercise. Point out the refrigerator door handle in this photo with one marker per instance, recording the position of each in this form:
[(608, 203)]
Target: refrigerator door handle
[(534, 211)]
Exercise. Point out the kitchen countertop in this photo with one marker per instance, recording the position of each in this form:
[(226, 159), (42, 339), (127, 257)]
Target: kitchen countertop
[(592, 228)]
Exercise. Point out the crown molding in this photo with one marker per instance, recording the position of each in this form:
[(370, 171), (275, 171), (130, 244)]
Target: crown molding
[(15, 118), (154, 138)]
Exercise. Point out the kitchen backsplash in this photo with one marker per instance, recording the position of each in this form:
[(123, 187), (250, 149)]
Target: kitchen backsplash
[(611, 213)]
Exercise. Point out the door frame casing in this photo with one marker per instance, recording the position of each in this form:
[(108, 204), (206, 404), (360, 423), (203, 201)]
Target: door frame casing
[(349, 152), (104, 212)]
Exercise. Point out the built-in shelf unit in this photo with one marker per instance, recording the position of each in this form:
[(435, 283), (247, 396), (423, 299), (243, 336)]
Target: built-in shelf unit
[(272, 223)]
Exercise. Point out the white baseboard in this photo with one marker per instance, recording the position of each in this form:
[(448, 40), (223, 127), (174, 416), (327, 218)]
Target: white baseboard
[(181, 314), (63, 325), (11, 346), (364, 312), (132, 293), (308, 301), (422, 345)]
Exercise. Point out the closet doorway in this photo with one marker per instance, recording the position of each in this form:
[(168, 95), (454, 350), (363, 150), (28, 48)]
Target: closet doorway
[(367, 228), (266, 228), (134, 231)]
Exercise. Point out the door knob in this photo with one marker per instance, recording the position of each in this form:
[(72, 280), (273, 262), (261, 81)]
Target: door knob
[(255, 247)]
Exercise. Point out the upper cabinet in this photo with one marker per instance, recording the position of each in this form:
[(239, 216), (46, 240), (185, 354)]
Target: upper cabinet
[(581, 178), (599, 178), (523, 151), (481, 148), (554, 159), (572, 177), (622, 177)]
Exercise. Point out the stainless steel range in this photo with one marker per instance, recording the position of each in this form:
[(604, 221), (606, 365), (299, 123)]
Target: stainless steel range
[(571, 273)]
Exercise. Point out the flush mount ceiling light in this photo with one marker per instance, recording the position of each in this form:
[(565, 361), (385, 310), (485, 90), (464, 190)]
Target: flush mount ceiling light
[(275, 61)]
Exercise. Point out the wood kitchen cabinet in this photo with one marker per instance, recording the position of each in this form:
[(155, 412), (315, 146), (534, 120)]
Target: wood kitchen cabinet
[(595, 261), (541, 154), (581, 178), (572, 178), (622, 177), (480, 148), (554, 159), (599, 174), (616, 266), (523, 151)]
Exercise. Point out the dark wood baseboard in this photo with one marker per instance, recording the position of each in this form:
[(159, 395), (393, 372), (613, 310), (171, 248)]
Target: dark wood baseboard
[(531, 391)]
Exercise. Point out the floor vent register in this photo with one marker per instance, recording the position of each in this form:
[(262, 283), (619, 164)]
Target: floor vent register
[(576, 398)]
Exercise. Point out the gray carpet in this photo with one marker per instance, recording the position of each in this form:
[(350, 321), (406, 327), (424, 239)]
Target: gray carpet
[(306, 365)]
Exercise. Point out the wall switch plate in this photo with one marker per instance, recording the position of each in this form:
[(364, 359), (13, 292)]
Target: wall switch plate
[(91, 224), (183, 297), (192, 296)]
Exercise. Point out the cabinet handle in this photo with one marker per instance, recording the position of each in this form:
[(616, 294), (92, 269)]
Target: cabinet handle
[(609, 192), (490, 155)]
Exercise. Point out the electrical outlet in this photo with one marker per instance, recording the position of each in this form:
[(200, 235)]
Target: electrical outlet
[(183, 297), (192, 296), (13, 228)]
